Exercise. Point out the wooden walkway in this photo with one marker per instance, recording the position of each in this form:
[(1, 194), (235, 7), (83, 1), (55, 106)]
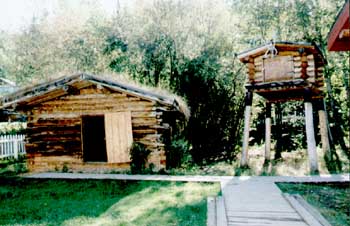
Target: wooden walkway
[(254, 202), (248, 201)]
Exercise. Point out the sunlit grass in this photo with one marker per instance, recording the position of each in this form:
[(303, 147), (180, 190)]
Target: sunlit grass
[(103, 202), (293, 163)]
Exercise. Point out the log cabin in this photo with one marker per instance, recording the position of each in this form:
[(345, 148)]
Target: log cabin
[(86, 122)]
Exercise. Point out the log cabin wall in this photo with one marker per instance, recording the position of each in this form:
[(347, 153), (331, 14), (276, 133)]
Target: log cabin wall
[(54, 127), (284, 76), (289, 65)]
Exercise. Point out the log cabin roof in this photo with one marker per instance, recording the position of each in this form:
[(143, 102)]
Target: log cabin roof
[(339, 35), (281, 47), (61, 86)]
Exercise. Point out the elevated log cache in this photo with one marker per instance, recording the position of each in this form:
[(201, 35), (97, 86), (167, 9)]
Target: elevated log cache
[(284, 76), (280, 72)]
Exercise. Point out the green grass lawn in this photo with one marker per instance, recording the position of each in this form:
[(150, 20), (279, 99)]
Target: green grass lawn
[(332, 199), (103, 202)]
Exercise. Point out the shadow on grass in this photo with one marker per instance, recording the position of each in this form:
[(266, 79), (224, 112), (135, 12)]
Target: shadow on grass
[(49, 201), (106, 202)]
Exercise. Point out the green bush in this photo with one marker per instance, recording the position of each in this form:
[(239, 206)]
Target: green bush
[(20, 168), (177, 153), (65, 168), (12, 166), (139, 156)]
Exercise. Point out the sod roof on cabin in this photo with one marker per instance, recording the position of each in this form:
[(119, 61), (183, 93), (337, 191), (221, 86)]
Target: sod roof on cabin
[(61, 86)]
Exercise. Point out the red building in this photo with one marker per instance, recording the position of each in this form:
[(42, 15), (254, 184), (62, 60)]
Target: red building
[(339, 35)]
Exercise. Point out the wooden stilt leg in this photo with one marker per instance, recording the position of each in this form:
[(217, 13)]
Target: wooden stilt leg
[(310, 135), (322, 115), (247, 115), (268, 132)]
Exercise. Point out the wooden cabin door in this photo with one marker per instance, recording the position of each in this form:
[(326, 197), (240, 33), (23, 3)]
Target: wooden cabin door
[(119, 139)]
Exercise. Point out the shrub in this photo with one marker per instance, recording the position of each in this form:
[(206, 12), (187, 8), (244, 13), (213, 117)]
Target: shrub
[(139, 156), (65, 168), (177, 153), (20, 168)]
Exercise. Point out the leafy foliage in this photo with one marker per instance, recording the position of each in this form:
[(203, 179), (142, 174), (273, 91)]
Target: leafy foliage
[(139, 156), (177, 152)]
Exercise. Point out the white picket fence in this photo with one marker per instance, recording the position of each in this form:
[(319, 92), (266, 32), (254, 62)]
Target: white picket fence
[(12, 146)]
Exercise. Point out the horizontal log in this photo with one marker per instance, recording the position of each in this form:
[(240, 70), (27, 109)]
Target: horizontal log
[(37, 115), (99, 105), (145, 121), (48, 131), (61, 103), (61, 159), (258, 63), (297, 70), (57, 150), (94, 111), (289, 53), (310, 57), (53, 123), (150, 144), (144, 131), (258, 70), (311, 79), (311, 64), (58, 153), (68, 143), (53, 132), (297, 75), (310, 74), (319, 84), (259, 80), (297, 58), (93, 96), (297, 63), (148, 138), (77, 115), (310, 68), (303, 59), (259, 74)]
